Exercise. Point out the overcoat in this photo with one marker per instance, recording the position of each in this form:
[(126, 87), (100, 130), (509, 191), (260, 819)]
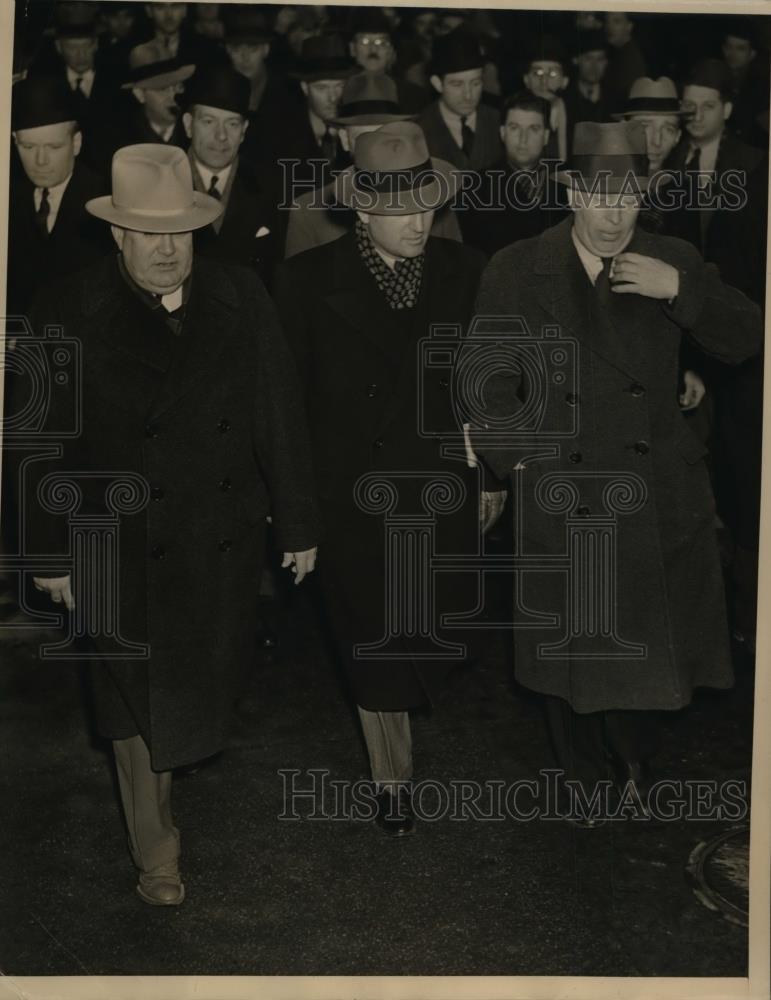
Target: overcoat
[(360, 364), (485, 150), (209, 419), (668, 588)]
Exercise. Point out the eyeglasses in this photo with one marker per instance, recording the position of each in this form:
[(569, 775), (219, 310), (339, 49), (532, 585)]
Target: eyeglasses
[(377, 42), (553, 74)]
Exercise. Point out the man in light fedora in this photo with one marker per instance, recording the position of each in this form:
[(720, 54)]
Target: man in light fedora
[(188, 385), (656, 106), (628, 298), (369, 100), (354, 311)]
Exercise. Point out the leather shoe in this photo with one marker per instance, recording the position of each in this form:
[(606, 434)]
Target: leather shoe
[(161, 886), (634, 781), (395, 815)]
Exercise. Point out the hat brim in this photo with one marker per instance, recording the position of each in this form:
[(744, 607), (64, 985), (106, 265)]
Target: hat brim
[(373, 119), (203, 211), (609, 185), (161, 80), (625, 116), (430, 196)]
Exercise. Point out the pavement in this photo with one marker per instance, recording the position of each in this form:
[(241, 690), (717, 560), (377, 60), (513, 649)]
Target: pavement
[(270, 896)]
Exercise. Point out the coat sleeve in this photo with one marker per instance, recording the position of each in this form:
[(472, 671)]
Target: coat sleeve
[(281, 435), (722, 320)]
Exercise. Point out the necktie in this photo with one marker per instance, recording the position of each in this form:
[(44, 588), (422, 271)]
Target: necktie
[(214, 191), (602, 284), (695, 219), (694, 164), (466, 136), (329, 145), (79, 86), (43, 212)]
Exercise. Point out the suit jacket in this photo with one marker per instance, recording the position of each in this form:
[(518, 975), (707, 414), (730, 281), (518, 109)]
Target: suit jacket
[(76, 240), (208, 420), (579, 109), (602, 408), (364, 386), (487, 141), (295, 140)]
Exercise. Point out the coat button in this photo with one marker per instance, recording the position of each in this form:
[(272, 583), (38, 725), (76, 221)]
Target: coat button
[(642, 447), (224, 484), (223, 426), (575, 457), (583, 510), (157, 494), (152, 431), (378, 443), (158, 552), (571, 398), (443, 383), (372, 389), (225, 544), (636, 389)]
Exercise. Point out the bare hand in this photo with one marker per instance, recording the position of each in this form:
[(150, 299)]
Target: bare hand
[(632, 273), (490, 508), (58, 589), (302, 563), (694, 391)]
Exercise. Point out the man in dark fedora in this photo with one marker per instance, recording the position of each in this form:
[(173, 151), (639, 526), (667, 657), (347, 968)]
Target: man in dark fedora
[(585, 95), (369, 100), (459, 128), (371, 46), (747, 80), (656, 106), (216, 122), (50, 234), (628, 298), (189, 388), (354, 311)]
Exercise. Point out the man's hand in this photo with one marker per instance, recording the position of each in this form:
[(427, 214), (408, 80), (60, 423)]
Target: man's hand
[(694, 391), (58, 589), (302, 563), (490, 508), (632, 273)]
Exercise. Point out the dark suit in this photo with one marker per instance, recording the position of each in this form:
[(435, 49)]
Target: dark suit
[(580, 109), (295, 140), (487, 140), (358, 361), (209, 419)]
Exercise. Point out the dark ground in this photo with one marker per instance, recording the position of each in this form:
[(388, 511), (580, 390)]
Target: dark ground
[(336, 897)]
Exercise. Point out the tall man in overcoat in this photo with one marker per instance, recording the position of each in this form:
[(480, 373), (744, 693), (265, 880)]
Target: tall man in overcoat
[(188, 384), (354, 311), (628, 298)]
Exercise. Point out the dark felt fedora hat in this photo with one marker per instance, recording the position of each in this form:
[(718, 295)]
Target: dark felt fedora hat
[(393, 174), (324, 57), (150, 68), (218, 86), (39, 100), (456, 52), (652, 97), (370, 21), (245, 25), (712, 73), (590, 40), (369, 99), (608, 158)]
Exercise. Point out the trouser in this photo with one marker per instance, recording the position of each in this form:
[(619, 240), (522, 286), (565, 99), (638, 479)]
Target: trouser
[(146, 798), (389, 745), (583, 742)]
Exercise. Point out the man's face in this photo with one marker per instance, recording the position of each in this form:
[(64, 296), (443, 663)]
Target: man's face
[(524, 137), (424, 25), (618, 28), (158, 262), (215, 135), (160, 103), (737, 52), (248, 59), (166, 17), (399, 235), (48, 153), (77, 53), (709, 112), (662, 134), (460, 92), (324, 97), (604, 226), (591, 66), (373, 51), (545, 78), (119, 22)]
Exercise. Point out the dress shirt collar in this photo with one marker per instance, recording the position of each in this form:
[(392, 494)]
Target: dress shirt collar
[(592, 262), (709, 152), (86, 80), (453, 120), (55, 195), (206, 175)]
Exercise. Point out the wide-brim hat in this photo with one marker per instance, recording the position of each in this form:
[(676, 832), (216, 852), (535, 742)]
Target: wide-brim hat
[(456, 52), (152, 192), (219, 86), (37, 101), (245, 26), (711, 73), (324, 57), (608, 158), (150, 68), (393, 174), (652, 97), (369, 99)]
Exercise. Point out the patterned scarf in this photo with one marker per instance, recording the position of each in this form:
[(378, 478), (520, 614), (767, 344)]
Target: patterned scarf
[(400, 285)]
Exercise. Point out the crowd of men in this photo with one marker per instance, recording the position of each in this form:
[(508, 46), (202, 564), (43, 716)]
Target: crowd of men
[(222, 144)]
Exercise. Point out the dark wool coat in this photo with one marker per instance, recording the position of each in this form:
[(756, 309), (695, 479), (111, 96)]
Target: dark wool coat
[(669, 587), (211, 420), (486, 149), (359, 362)]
